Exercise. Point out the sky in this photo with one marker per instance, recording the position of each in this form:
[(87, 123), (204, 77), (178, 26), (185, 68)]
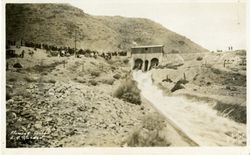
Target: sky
[(214, 26)]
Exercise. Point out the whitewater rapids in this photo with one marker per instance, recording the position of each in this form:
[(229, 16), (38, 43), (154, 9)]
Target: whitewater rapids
[(199, 120)]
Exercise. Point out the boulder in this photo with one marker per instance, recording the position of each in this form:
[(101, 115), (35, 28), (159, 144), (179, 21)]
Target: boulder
[(17, 65)]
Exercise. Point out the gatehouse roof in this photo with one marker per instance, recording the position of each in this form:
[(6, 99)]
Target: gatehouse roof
[(148, 46)]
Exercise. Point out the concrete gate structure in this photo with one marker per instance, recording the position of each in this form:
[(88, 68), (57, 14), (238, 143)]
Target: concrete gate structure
[(146, 57)]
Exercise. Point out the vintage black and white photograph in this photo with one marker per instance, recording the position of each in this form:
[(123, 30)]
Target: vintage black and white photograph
[(125, 74)]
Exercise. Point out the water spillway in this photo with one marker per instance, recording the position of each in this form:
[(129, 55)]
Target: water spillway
[(199, 120)]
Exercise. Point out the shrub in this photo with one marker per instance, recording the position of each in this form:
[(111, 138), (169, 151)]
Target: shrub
[(128, 91), (111, 62), (51, 81), (130, 97), (44, 73), (150, 133), (95, 73), (54, 53), (12, 80), (22, 92), (80, 80), (93, 82), (8, 96), (208, 83), (243, 68), (153, 121), (231, 88), (30, 79), (181, 42), (109, 81), (17, 65), (216, 71), (125, 61), (199, 58), (117, 76)]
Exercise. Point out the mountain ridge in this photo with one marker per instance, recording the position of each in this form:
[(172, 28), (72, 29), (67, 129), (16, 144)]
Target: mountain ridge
[(57, 24)]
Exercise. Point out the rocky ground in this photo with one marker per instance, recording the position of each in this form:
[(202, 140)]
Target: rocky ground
[(58, 102), (71, 115), (69, 102)]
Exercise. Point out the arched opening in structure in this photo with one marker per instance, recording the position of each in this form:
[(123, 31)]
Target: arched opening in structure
[(146, 65), (138, 64), (154, 63)]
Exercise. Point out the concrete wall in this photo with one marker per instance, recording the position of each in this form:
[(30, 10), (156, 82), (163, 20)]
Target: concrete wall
[(144, 57), (146, 54)]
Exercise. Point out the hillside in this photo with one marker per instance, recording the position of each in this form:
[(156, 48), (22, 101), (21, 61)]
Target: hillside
[(56, 24), (71, 102)]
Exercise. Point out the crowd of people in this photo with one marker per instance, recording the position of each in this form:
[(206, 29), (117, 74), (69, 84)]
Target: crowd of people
[(63, 51)]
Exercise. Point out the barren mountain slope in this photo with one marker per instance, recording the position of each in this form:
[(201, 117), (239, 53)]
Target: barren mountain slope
[(57, 25)]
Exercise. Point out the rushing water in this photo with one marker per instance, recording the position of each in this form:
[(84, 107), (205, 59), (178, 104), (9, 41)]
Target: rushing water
[(199, 120)]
